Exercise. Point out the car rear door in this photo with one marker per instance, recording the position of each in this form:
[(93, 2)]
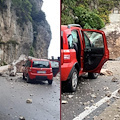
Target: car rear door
[(95, 50)]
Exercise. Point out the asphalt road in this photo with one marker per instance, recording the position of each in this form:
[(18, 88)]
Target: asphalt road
[(88, 93), (14, 92)]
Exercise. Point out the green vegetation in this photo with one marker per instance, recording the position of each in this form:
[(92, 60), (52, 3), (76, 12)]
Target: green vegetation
[(31, 52), (87, 13), (23, 10), (26, 11), (88, 19)]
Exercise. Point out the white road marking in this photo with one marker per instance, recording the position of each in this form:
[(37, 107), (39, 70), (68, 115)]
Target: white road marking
[(85, 113)]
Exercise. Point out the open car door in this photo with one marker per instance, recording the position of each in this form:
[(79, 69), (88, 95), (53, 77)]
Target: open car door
[(55, 67), (96, 52)]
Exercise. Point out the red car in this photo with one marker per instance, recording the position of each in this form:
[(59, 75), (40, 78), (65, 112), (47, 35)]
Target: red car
[(82, 50), (38, 69)]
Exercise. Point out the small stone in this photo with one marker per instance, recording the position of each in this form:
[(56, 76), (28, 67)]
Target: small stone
[(117, 116), (114, 79), (106, 88), (70, 96), (21, 118), (86, 108), (92, 101), (93, 96), (108, 94), (31, 94), (29, 101), (64, 102)]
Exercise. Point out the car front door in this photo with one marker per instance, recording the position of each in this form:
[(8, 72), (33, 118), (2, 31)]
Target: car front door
[(55, 64), (95, 50)]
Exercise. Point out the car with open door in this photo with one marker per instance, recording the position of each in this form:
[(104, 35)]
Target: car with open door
[(82, 50)]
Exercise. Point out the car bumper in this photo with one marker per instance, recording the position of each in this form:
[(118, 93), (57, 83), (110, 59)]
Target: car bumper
[(65, 71), (41, 77)]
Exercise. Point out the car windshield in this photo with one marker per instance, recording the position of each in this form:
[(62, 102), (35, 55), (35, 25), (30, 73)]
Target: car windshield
[(41, 64)]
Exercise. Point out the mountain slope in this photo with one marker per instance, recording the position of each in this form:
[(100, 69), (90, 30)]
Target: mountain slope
[(21, 31)]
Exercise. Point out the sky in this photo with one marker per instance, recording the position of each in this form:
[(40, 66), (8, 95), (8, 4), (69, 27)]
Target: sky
[(52, 12)]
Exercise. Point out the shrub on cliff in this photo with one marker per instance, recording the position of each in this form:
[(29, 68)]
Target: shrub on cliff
[(88, 19), (23, 10)]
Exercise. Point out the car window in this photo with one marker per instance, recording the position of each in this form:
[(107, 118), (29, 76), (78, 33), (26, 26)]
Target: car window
[(72, 38), (87, 41), (70, 41), (54, 64), (41, 64), (75, 36), (96, 39)]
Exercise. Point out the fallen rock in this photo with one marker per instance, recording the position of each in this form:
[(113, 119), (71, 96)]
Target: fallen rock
[(106, 72), (92, 101), (70, 96), (105, 88), (114, 79), (29, 101), (117, 116), (21, 118), (86, 108), (93, 96), (31, 94), (16, 65), (108, 94), (64, 102)]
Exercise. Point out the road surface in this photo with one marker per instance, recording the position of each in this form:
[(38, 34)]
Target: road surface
[(90, 98), (14, 92)]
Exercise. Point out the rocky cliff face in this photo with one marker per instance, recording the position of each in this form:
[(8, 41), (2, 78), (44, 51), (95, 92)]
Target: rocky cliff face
[(112, 32), (16, 40)]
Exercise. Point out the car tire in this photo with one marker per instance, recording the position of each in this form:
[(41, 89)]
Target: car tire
[(73, 81), (92, 75), (28, 79), (50, 82), (23, 76)]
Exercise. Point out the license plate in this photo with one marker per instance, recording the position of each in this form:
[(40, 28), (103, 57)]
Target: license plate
[(41, 71)]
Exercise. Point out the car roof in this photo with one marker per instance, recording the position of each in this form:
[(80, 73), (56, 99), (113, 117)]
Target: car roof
[(35, 59), (65, 27)]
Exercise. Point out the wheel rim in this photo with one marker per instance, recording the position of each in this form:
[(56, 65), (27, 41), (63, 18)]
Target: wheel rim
[(74, 80)]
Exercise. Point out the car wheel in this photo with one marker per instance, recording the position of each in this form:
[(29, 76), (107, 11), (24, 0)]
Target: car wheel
[(28, 79), (73, 81), (50, 82), (23, 77), (93, 75)]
